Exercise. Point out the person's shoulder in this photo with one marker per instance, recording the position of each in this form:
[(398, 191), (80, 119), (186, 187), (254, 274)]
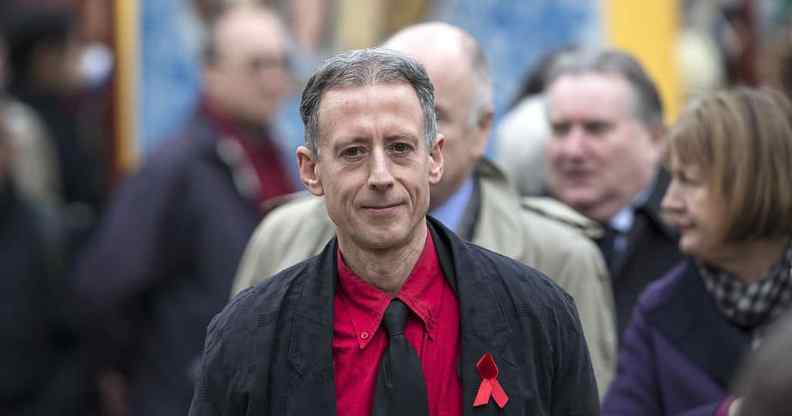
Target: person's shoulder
[(659, 293), (520, 280), (299, 223), (559, 235), (551, 213), (297, 207), (261, 304)]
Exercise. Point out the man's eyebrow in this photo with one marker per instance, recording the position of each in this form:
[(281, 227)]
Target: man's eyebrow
[(401, 136), (346, 141)]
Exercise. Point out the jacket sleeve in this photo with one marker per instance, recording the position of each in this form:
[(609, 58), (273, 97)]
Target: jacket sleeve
[(635, 390), (216, 389), (206, 398), (584, 276), (124, 261), (574, 386)]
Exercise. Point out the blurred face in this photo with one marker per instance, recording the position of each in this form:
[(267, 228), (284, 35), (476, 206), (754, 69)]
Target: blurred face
[(696, 211), (455, 99), (249, 77), (374, 167), (600, 156)]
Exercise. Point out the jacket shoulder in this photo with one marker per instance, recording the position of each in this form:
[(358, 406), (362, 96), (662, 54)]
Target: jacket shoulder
[(531, 290), (289, 234), (257, 305), (660, 292), (555, 211)]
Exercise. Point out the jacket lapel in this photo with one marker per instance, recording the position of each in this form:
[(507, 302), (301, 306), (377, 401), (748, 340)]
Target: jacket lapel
[(693, 323), (484, 326), (647, 216), (311, 388)]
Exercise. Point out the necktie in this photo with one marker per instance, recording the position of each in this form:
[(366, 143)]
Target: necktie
[(607, 246), (400, 389)]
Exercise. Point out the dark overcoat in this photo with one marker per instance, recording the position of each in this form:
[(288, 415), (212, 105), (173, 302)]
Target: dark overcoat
[(269, 352), (680, 353)]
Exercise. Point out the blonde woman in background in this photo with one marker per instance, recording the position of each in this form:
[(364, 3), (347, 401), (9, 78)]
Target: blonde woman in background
[(731, 199)]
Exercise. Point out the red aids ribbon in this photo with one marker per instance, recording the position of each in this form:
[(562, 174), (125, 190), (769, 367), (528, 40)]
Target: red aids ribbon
[(488, 371)]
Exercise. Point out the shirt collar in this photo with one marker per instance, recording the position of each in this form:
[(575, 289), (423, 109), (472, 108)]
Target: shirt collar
[(451, 212), (623, 220), (367, 303)]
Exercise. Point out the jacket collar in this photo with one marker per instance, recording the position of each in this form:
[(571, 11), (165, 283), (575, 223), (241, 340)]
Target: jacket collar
[(692, 323), (484, 326), (499, 203)]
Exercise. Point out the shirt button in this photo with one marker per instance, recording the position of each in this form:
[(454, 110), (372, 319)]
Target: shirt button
[(364, 335)]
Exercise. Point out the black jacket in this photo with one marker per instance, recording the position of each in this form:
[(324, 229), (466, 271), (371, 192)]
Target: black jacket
[(651, 252), (39, 365), (269, 352), (160, 266)]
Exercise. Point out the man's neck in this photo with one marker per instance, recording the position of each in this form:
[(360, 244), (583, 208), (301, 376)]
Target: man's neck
[(386, 269), (249, 130)]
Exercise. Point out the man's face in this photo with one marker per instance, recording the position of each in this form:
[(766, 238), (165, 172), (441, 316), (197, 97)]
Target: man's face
[(600, 156), (374, 167), (457, 117), (249, 76)]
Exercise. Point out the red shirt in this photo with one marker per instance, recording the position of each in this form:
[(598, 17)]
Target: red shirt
[(432, 329)]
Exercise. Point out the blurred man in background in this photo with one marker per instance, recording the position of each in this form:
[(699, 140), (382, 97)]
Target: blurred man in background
[(603, 159), (473, 197), (39, 361), (44, 74), (161, 263)]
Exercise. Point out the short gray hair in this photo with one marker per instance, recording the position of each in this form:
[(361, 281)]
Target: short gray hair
[(647, 106), (362, 67)]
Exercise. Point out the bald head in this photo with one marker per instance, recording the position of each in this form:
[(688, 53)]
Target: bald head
[(463, 96), (437, 42)]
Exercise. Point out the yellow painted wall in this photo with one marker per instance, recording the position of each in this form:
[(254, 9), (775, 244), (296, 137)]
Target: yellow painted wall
[(648, 29)]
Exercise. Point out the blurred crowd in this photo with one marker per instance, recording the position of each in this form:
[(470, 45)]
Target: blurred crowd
[(675, 238)]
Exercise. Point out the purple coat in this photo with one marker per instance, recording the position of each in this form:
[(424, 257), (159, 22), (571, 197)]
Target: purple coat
[(679, 353)]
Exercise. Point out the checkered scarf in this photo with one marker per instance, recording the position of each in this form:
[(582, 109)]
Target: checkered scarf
[(750, 305)]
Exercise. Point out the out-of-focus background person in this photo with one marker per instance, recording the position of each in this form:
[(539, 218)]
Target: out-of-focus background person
[(40, 368), (764, 384), (731, 200), (607, 138), (163, 259), (45, 74)]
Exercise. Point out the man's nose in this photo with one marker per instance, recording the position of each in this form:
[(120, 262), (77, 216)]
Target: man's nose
[(380, 175), (575, 142)]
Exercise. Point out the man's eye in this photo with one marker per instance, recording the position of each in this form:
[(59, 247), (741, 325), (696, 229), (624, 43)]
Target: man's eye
[(597, 128), (352, 152), (401, 148), (560, 129)]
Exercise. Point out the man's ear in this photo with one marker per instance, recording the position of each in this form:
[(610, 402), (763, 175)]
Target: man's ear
[(309, 171), (483, 130), (436, 159), (659, 140)]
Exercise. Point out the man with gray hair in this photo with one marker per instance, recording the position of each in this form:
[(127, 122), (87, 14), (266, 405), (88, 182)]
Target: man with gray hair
[(463, 327), (603, 159), (473, 198)]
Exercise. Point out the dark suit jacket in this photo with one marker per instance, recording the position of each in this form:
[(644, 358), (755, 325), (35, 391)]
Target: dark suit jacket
[(651, 252), (679, 354), (269, 352), (39, 366), (160, 267)]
